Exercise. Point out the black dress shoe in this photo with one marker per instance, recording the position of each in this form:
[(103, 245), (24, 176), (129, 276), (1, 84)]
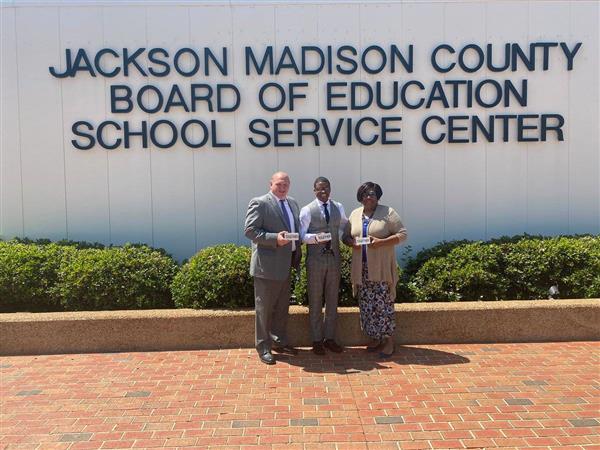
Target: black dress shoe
[(288, 349), (318, 348), (267, 358), (330, 344)]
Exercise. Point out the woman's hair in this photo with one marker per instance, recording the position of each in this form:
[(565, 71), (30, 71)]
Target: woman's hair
[(366, 187)]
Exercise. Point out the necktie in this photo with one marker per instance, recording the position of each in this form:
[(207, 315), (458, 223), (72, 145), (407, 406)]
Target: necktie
[(285, 215), (326, 210)]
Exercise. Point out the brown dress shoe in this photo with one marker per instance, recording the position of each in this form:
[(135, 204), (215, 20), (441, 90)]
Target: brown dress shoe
[(318, 348), (287, 349), (330, 344)]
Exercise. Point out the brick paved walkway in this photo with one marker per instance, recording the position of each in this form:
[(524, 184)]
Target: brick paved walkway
[(436, 396)]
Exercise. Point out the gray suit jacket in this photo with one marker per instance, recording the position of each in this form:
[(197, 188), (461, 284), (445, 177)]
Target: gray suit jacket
[(264, 220)]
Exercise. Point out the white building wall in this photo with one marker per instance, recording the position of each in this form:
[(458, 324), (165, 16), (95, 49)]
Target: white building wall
[(184, 200)]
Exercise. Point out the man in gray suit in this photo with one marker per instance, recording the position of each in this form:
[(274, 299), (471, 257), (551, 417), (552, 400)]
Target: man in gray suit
[(268, 219), (320, 224)]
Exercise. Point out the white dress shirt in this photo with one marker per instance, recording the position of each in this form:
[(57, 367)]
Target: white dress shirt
[(311, 238), (288, 211)]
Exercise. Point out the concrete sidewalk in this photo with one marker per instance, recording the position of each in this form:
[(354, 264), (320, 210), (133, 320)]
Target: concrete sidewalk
[(543, 395)]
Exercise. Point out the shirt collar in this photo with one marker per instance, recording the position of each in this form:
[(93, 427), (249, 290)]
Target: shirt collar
[(277, 199)]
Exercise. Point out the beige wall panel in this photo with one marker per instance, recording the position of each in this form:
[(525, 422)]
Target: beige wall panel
[(547, 162), (215, 171), (584, 135), (40, 115), (251, 26), (384, 164), (83, 98), (506, 163), (11, 187), (173, 206), (341, 163), (129, 170), (297, 25), (465, 196), (423, 163)]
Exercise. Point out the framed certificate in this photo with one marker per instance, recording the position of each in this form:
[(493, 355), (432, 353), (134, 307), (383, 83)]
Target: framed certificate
[(291, 236), (362, 240)]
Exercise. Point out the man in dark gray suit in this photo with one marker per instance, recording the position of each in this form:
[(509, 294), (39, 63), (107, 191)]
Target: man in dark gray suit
[(268, 219)]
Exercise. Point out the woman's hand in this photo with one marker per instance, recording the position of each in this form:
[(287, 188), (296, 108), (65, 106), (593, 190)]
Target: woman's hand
[(390, 240), (376, 242)]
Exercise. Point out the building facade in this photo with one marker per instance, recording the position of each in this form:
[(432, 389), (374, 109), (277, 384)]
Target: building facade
[(156, 122)]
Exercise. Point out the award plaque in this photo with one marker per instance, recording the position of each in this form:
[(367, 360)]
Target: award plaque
[(291, 236), (323, 237), (363, 240)]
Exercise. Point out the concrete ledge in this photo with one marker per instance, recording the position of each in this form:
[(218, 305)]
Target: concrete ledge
[(185, 329)]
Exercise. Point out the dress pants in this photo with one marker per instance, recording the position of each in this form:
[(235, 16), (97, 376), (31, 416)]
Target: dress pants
[(271, 303), (323, 273)]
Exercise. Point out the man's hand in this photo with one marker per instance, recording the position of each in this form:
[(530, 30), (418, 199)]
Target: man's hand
[(281, 241), (350, 242)]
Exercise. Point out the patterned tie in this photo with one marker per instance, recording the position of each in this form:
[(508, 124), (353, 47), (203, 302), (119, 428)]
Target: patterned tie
[(285, 215), (326, 210)]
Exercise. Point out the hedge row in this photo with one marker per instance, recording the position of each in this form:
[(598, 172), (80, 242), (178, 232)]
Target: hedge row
[(73, 277), (522, 268), (44, 276)]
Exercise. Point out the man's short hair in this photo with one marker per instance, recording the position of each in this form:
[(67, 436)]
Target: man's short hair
[(321, 180)]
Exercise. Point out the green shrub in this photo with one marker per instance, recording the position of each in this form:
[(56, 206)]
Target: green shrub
[(28, 273), (405, 290), (519, 267), (63, 242), (413, 264), (69, 275), (300, 283), (216, 277), (128, 277), (346, 298), (532, 266), (468, 272), (585, 280)]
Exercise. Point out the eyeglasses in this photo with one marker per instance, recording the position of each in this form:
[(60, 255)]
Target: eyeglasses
[(369, 194)]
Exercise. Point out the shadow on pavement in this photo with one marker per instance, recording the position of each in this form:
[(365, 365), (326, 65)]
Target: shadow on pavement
[(358, 360)]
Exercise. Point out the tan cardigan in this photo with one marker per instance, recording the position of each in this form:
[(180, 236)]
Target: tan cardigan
[(381, 261)]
